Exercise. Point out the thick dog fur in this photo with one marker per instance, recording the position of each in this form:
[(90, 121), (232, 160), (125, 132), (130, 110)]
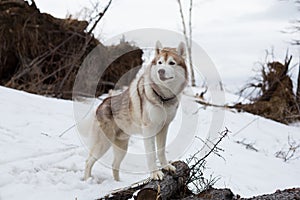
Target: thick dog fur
[(147, 107)]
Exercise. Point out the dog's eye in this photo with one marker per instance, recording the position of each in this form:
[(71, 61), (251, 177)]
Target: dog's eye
[(159, 62), (172, 63)]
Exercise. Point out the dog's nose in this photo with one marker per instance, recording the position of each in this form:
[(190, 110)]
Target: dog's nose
[(161, 72)]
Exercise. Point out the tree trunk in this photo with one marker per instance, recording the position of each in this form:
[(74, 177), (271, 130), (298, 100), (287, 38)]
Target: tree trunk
[(298, 88), (188, 38)]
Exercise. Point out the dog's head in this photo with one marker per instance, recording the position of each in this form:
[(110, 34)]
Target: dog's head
[(168, 68)]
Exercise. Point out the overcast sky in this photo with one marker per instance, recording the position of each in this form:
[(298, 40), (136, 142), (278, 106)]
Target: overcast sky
[(234, 33)]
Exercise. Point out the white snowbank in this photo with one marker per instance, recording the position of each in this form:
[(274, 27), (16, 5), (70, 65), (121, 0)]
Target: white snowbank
[(36, 163)]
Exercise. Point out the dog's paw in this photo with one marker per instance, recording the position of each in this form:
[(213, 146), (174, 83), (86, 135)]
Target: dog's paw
[(157, 175), (170, 168), (86, 178)]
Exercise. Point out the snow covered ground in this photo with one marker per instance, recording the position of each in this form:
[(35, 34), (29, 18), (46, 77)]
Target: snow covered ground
[(36, 163)]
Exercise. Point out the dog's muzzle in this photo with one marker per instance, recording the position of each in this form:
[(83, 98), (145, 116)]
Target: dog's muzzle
[(162, 75)]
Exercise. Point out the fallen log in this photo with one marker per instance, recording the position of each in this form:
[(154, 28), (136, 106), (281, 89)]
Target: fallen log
[(288, 194), (226, 194), (212, 194), (172, 186)]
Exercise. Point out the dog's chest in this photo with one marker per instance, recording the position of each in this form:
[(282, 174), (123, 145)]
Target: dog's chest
[(158, 114), (151, 119)]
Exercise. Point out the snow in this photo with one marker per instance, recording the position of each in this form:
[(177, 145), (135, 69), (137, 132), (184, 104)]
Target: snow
[(36, 163)]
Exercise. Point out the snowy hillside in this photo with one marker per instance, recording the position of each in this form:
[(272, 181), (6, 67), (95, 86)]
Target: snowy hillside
[(36, 163)]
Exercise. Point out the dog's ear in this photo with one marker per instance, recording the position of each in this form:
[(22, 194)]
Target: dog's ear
[(181, 50), (158, 47)]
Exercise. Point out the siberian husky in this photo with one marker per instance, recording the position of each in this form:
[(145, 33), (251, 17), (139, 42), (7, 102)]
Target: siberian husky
[(147, 107)]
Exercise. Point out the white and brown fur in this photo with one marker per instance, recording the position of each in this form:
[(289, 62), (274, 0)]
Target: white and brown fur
[(148, 106)]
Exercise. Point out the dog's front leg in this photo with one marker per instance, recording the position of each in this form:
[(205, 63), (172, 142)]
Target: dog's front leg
[(161, 139), (155, 173)]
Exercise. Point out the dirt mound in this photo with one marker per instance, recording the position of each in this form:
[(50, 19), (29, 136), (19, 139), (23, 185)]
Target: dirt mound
[(276, 99), (42, 54)]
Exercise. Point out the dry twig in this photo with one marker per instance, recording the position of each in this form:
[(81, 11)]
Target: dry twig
[(197, 165)]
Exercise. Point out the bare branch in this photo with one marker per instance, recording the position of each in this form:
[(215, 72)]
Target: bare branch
[(190, 45), (183, 22), (196, 176), (100, 15), (247, 145), (291, 152), (190, 23)]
